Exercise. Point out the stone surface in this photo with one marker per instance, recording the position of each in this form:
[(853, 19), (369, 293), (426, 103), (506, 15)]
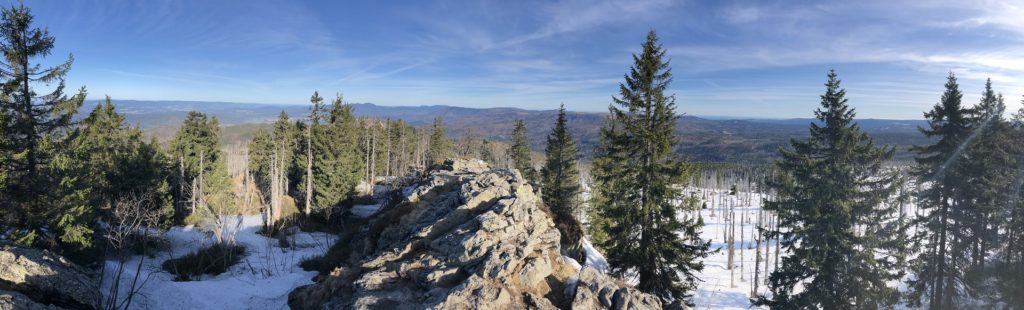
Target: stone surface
[(10, 300), (596, 290), (46, 278), (467, 237)]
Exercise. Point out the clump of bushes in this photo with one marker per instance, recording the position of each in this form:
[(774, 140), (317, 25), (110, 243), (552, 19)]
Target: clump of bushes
[(211, 260)]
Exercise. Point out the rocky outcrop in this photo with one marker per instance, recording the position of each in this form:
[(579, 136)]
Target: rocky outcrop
[(10, 300), (36, 279), (467, 237)]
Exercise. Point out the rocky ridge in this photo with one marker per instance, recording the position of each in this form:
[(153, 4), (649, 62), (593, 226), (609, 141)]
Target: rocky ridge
[(465, 237)]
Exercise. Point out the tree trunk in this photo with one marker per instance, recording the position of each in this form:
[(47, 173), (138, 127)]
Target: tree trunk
[(309, 169)]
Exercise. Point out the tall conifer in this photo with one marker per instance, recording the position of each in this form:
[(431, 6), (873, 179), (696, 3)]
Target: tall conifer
[(560, 184), (940, 169), (521, 154), (440, 145), (843, 239), (639, 181), (337, 166)]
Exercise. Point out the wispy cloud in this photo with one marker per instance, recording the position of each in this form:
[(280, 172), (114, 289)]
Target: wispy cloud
[(727, 55)]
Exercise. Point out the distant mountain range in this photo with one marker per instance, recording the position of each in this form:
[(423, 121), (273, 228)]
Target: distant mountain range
[(736, 140)]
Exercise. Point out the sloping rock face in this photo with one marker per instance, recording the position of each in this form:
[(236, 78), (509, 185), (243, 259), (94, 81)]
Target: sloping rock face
[(36, 279), (467, 237)]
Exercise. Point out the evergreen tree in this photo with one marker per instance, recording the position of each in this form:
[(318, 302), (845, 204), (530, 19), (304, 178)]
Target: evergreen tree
[(521, 154), (5, 171), (40, 201), (286, 138), (990, 155), (195, 152), (1010, 279), (639, 181), (311, 135), (32, 116), (941, 167), (117, 162), (844, 244), (260, 151), (280, 145), (560, 179), (440, 146), (337, 164)]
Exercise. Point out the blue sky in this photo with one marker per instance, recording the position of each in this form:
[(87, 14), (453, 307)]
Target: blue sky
[(730, 58)]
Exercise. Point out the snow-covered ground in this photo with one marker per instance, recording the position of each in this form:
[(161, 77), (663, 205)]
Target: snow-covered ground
[(723, 288), (262, 280), (365, 211)]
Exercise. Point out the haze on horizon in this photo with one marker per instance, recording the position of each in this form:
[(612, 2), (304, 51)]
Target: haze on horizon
[(729, 58)]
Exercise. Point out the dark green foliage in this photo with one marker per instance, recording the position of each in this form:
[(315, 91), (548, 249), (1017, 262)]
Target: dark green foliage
[(1010, 279), (844, 244), (939, 269), (440, 145), (196, 143), (41, 200), (560, 183), (117, 162), (260, 150), (637, 177), (990, 157), (194, 152), (212, 260), (281, 144), (337, 162), (989, 187), (520, 151)]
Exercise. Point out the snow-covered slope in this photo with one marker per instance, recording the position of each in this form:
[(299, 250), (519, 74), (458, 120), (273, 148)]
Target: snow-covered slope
[(262, 280), (723, 288)]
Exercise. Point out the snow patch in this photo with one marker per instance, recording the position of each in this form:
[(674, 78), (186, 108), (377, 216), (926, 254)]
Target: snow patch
[(262, 280), (594, 258), (365, 211)]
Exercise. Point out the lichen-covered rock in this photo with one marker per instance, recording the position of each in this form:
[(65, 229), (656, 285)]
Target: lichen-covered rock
[(468, 237), (46, 278), (596, 290), (10, 300)]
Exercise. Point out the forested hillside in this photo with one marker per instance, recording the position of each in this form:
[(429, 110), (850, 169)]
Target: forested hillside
[(702, 139)]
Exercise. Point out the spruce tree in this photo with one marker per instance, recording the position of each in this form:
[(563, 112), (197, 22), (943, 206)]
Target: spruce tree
[(844, 242), (337, 165), (990, 155), (202, 183), (5, 172), (440, 145), (639, 179), (117, 162), (37, 195), (1010, 279), (560, 183), (311, 135), (941, 167), (281, 145), (521, 154), (260, 151)]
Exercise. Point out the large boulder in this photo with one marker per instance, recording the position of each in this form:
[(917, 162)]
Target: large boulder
[(467, 237), (44, 278)]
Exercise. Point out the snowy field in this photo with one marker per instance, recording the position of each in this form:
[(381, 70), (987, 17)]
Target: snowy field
[(723, 288), (262, 280)]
